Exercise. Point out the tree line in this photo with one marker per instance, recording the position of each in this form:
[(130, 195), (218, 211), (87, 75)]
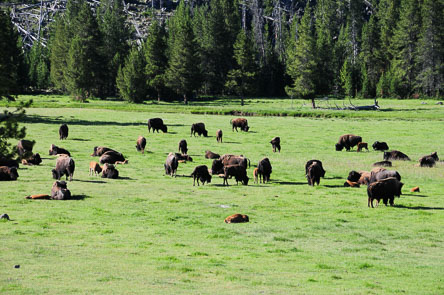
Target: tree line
[(359, 48)]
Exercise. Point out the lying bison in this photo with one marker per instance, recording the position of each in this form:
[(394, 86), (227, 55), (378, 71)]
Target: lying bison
[(314, 172), (100, 150), (383, 174), (276, 144), (383, 163), (348, 141), (385, 189), (239, 173), (380, 146), (9, 162), (24, 147), (219, 135), (429, 160), (35, 159), (55, 150), (241, 123), (264, 170), (60, 191), (395, 155), (8, 173), (157, 124), (199, 128), (141, 144), (111, 157), (63, 131), (201, 173), (171, 164), (64, 166), (211, 155), (237, 218), (109, 171), (183, 147), (183, 158)]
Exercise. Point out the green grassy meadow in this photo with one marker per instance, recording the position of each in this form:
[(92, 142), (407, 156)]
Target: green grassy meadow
[(148, 233)]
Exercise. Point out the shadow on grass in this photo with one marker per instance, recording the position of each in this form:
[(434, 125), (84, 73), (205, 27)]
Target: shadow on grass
[(183, 175), (289, 182), (334, 177), (72, 121), (90, 181), (77, 197), (177, 125), (80, 139), (421, 196), (126, 178), (333, 186), (418, 207), (231, 142)]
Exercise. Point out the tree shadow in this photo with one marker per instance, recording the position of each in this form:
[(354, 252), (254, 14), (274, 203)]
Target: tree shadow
[(72, 121), (90, 181), (418, 207)]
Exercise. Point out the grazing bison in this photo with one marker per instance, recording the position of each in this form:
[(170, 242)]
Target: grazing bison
[(383, 174), (225, 160), (55, 150), (383, 163), (183, 158), (211, 155), (239, 173), (35, 159), (219, 135), (109, 171), (237, 218), (347, 141), (94, 168), (60, 191), (362, 145), (171, 164), (314, 173), (276, 144), (9, 162), (264, 170), (201, 173), (24, 147), (157, 124), (63, 131), (183, 147), (100, 150), (141, 144), (111, 157), (395, 155), (241, 123), (385, 189), (255, 174), (8, 173), (429, 160), (199, 128), (64, 166), (308, 164), (380, 146)]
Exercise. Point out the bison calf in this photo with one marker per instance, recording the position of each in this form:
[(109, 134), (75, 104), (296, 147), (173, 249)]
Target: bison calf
[(237, 218), (94, 168), (201, 173), (362, 145), (141, 144), (255, 174), (276, 144), (219, 135)]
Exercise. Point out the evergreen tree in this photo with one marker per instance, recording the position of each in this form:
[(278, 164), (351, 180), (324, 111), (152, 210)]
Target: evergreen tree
[(388, 15), (38, 60), (131, 79), (60, 44)]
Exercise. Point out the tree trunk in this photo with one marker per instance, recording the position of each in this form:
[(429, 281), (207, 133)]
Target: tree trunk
[(242, 100), (313, 105), (185, 101)]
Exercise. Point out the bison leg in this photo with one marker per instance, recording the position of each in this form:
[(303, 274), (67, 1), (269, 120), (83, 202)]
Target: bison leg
[(194, 180), (369, 201), (392, 201)]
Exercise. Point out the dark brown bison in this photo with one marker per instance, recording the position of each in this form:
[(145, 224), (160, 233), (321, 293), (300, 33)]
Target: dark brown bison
[(241, 123), (429, 160), (348, 141), (314, 173), (385, 189), (9, 162), (24, 147), (55, 150), (225, 160), (100, 150), (199, 128), (237, 218), (276, 144), (109, 171), (380, 146), (157, 124), (111, 157), (183, 147), (183, 158), (63, 131), (362, 177), (308, 164), (264, 170), (219, 135), (35, 159), (395, 155), (361, 146), (211, 155), (201, 173), (60, 191), (383, 163), (8, 173), (383, 174), (239, 173), (171, 164), (141, 144), (64, 166), (94, 168)]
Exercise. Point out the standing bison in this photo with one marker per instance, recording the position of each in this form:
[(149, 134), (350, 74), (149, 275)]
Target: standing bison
[(64, 166), (380, 146), (383, 174), (348, 141), (308, 164), (241, 123), (201, 173), (239, 173), (183, 147), (199, 128), (55, 150), (60, 191), (8, 173), (225, 160), (157, 124), (171, 164), (395, 155), (385, 189), (219, 135), (24, 147), (264, 170), (276, 144), (141, 144), (63, 131), (314, 173)]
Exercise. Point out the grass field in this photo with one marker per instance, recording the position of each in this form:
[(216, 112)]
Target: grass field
[(148, 233)]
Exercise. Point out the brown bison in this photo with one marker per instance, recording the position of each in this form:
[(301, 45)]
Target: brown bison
[(24, 147), (111, 157), (8, 173), (35, 159), (100, 150), (385, 189), (199, 128), (94, 168), (241, 123), (60, 191), (63, 131), (225, 160), (383, 174), (383, 163), (183, 158), (308, 164), (141, 144), (239, 173), (219, 135), (395, 155), (255, 174), (201, 173), (362, 145), (380, 146), (183, 147), (276, 144), (211, 155), (362, 177), (55, 150), (429, 160), (348, 141), (65, 165), (109, 171), (264, 170), (237, 218), (9, 162), (314, 173), (157, 124), (171, 164)]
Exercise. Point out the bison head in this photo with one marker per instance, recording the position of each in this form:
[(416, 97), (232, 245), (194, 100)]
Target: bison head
[(164, 129), (246, 128), (13, 174), (339, 147), (55, 174), (354, 176), (435, 156), (387, 156), (217, 167), (245, 181)]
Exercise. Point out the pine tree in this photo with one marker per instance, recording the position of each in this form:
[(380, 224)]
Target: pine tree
[(131, 79), (59, 46), (388, 14), (38, 60)]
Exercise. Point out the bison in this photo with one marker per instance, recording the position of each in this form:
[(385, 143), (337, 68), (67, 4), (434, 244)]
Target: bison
[(60, 191), (237, 218), (65, 165), (255, 174), (314, 173), (362, 145), (199, 128), (63, 131), (239, 173), (157, 124), (35, 159), (241, 123), (308, 164), (395, 155), (383, 174), (276, 144), (8, 173), (94, 168), (141, 144), (429, 160), (111, 157), (211, 155), (9, 162), (383, 163), (100, 150), (24, 147), (219, 135), (183, 147), (55, 150), (183, 158), (109, 171), (264, 170), (201, 173), (347, 141), (385, 189), (225, 160), (380, 146), (171, 164)]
